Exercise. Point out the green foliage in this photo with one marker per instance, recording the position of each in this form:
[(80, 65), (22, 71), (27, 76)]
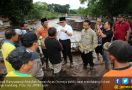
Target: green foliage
[(59, 8), (40, 10), (15, 10), (73, 11), (19, 11), (51, 11), (108, 7)]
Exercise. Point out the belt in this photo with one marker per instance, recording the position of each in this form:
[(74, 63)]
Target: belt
[(64, 40)]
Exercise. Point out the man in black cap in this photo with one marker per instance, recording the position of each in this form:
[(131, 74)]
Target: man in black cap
[(120, 53), (64, 34), (22, 62), (29, 40), (42, 33), (43, 29)]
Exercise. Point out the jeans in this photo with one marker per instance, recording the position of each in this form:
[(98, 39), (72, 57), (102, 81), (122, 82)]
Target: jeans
[(105, 59)]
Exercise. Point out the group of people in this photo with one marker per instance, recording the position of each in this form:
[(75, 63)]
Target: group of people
[(54, 41), (22, 60)]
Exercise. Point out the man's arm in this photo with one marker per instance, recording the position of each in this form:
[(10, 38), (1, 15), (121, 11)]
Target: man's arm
[(59, 45), (97, 29), (69, 32), (102, 34), (95, 41), (128, 34), (128, 31)]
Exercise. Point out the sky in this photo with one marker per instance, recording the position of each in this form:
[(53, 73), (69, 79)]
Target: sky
[(74, 4)]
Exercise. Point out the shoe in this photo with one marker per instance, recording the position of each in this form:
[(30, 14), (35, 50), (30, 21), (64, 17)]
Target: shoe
[(64, 63), (71, 65)]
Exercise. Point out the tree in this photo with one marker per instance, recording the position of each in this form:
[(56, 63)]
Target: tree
[(59, 8), (108, 7), (37, 10), (15, 10), (40, 10)]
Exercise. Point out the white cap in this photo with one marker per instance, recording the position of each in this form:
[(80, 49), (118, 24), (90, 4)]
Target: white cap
[(20, 32)]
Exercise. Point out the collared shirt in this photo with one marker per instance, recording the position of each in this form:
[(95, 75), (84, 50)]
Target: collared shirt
[(120, 30), (17, 74), (111, 77), (20, 81), (88, 41), (63, 35), (7, 48), (42, 31), (36, 70)]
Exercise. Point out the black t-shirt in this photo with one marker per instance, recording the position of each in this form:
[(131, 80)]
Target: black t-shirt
[(53, 49), (108, 37)]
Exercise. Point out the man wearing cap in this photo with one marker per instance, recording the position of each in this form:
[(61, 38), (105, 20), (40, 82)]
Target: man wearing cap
[(42, 33), (31, 46), (20, 33), (121, 29), (8, 46), (120, 53), (43, 29), (22, 62), (64, 33)]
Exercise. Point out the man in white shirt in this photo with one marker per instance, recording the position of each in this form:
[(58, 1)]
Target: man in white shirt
[(64, 33)]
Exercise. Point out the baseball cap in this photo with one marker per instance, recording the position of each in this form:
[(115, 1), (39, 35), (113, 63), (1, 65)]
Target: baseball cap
[(29, 37), (19, 56), (121, 50), (20, 32)]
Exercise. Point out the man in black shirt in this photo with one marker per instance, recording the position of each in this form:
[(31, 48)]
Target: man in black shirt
[(106, 35), (54, 49)]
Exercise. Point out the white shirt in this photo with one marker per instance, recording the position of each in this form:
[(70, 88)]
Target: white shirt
[(63, 35)]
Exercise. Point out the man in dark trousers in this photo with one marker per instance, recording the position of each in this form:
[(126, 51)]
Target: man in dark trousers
[(54, 49), (88, 43), (106, 36), (64, 33), (42, 33)]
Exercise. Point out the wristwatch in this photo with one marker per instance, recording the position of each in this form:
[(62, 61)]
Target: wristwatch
[(65, 31)]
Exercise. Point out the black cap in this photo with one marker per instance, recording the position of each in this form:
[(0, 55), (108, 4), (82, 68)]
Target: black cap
[(18, 57), (62, 19), (29, 37), (43, 20), (121, 50)]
